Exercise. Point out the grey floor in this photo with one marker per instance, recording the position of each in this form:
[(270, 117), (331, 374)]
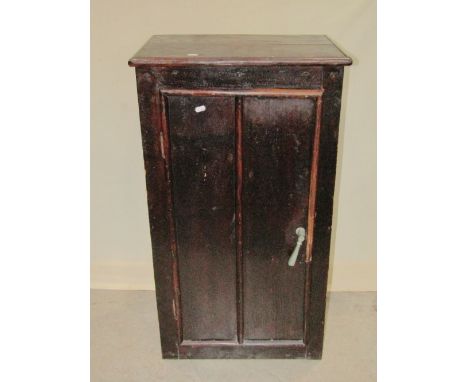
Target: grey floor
[(125, 345)]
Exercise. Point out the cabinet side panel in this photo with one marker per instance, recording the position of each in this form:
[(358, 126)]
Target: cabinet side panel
[(203, 169), (158, 208), (277, 143), (332, 83)]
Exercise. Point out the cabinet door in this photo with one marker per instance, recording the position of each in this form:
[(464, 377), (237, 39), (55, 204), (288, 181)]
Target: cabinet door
[(202, 144), (277, 150), (240, 178)]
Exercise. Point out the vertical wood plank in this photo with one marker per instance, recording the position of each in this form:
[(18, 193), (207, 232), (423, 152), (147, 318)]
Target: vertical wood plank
[(277, 153), (166, 153), (332, 83), (240, 261), (311, 216), (158, 192), (202, 152)]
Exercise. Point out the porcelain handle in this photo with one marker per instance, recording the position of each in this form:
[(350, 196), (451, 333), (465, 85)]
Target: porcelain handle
[(300, 232)]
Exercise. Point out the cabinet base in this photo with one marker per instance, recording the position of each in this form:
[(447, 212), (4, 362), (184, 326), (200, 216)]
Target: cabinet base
[(244, 351)]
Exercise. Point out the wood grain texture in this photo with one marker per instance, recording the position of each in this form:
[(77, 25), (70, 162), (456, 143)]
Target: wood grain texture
[(245, 77), (277, 152), (203, 168), (258, 92), (157, 194), (313, 181), (277, 350), (238, 50), (332, 84), (311, 215), (239, 220), (166, 154)]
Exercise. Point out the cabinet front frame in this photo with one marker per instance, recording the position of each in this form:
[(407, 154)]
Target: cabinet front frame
[(156, 144)]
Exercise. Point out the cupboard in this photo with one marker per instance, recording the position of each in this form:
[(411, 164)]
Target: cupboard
[(239, 139)]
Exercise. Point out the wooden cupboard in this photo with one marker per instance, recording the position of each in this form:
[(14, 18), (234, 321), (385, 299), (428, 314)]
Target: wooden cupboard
[(240, 142)]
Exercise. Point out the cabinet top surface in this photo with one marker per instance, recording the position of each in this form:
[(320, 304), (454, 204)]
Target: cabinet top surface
[(168, 50)]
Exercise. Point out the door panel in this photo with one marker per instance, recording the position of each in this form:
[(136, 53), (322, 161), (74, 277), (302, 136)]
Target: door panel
[(203, 170), (277, 143)]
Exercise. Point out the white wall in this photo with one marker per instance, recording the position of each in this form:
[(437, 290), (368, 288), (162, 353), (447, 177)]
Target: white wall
[(120, 240)]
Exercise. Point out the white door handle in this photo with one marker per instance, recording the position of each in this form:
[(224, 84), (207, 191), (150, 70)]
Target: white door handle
[(300, 232)]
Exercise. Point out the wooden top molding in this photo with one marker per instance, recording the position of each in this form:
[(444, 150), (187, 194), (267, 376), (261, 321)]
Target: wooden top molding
[(169, 50)]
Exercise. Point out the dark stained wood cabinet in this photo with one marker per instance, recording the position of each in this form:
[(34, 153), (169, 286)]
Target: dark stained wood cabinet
[(240, 137)]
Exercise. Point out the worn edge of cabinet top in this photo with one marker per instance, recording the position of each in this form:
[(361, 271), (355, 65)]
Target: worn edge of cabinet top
[(166, 50)]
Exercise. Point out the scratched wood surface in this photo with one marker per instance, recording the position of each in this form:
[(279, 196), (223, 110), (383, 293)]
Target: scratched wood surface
[(238, 77), (158, 191), (202, 153), (239, 49), (332, 83), (277, 152)]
